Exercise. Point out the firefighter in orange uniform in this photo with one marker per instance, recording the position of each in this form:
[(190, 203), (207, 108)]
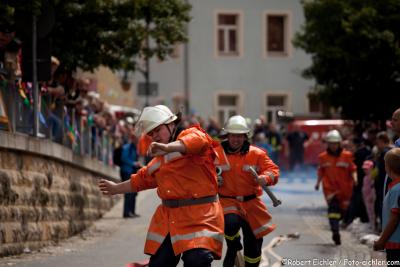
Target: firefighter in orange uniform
[(337, 172), (189, 222), (240, 193)]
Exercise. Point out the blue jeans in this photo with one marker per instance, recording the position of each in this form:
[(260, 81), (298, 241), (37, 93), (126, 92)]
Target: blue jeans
[(129, 198), (55, 126)]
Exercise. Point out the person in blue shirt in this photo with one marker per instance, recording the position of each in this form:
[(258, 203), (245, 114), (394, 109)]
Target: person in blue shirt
[(390, 236), (129, 164), (395, 122)]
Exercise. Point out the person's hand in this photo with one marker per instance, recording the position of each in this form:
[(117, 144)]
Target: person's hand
[(379, 245), (157, 149), (262, 180), (107, 187), (137, 164), (316, 187)]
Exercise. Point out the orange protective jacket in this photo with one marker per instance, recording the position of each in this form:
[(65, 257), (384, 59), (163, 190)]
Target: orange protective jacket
[(143, 144), (238, 181), (336, 174), (184, 176)]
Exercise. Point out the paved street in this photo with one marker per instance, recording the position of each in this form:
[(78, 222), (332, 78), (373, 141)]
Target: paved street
[(114, 241), (304, 212)]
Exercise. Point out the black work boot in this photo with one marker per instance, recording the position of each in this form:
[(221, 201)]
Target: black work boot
[(229, 260), (336, 238)]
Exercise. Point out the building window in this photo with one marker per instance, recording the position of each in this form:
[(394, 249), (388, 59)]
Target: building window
[(228, 34), (315, 105), (277, 42), (275, 103), (227, 106)]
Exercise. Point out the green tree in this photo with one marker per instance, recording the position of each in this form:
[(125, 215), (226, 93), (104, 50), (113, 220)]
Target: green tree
[(354, 45), (112, 33)]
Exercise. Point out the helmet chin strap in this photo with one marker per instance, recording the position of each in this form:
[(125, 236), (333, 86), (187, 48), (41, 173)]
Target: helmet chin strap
[(172, 133), (233, 151)]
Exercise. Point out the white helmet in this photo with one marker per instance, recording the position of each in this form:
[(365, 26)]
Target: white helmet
[(236, 125), (333, 137), (152, 117)]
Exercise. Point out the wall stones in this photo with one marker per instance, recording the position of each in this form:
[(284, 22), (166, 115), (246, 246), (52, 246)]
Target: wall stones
[(44, 200)]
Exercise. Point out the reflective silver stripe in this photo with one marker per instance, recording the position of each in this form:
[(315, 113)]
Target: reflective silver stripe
[(246, 168), (155, 237), (205, 233), (153, 167), (171, 156), (326, 164), (262, 228), (225, 167), (342, 164), (230, 208)]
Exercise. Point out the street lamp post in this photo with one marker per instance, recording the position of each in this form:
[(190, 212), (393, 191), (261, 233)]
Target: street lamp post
[(34, 78), (186, 74), (186, 81), (147, 79), (147, 59)]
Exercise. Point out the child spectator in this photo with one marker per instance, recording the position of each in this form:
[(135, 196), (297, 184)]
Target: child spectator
[(368, 191), (390, 237)]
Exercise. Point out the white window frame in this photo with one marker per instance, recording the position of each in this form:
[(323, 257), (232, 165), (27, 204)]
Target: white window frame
[(288, 29), (331, 109), (286, 107), (238, 108), (239, 27)]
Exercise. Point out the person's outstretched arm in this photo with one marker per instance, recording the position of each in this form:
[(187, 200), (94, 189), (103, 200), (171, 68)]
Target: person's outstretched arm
[(110, 188), (159, 149)]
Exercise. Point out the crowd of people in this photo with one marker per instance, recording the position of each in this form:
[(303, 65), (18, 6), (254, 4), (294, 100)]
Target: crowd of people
[(359, 177), (352, 171), (71, 112), (358, 170)]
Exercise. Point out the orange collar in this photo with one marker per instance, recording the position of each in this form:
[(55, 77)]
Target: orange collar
[(393, 183)]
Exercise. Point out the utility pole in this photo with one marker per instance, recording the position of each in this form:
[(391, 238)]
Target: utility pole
[(186, 83), (147, 59), (186, 80), (34, 78)]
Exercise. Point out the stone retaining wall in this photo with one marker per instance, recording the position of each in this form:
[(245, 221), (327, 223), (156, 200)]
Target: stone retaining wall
[(46, 193)]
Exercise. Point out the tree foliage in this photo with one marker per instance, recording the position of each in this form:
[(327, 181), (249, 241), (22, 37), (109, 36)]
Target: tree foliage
[(90, 33), (355, 50)]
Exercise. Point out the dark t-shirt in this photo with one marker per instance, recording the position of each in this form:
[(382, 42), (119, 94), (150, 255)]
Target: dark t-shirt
[(296, 141), (380, 180), (361, 154)]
